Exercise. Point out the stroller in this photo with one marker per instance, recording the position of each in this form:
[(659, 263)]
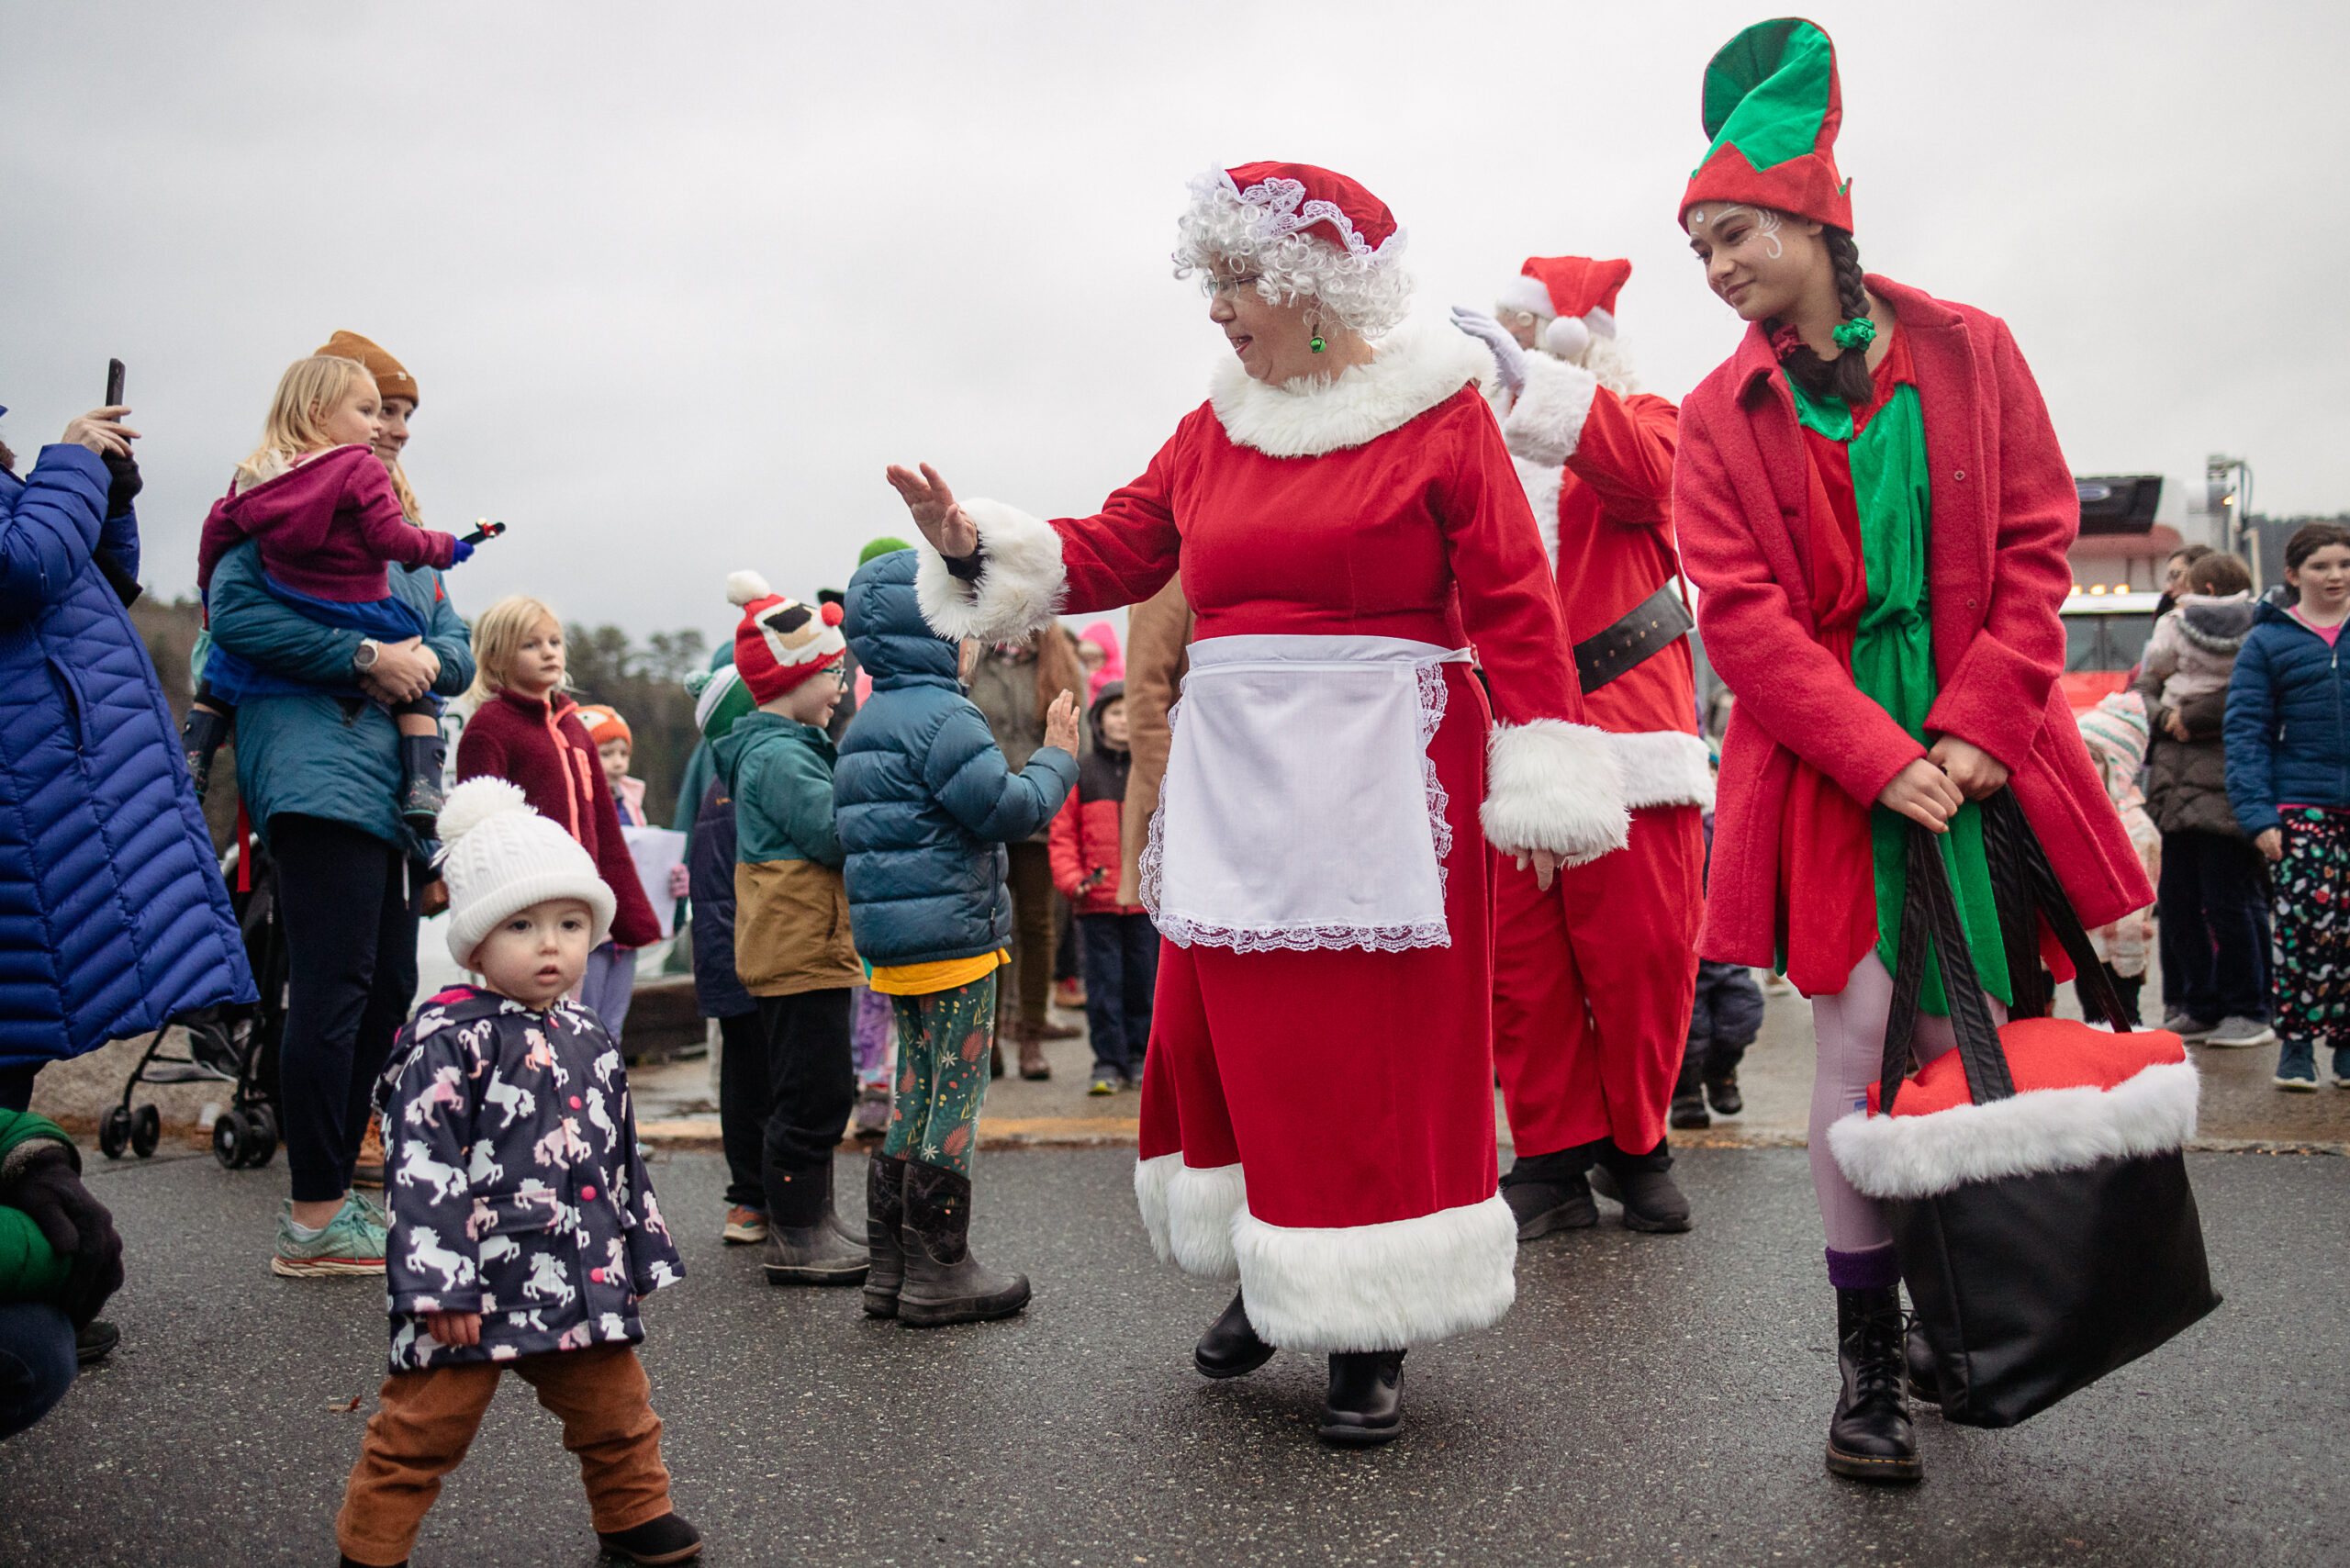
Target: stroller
[(236, 1044)]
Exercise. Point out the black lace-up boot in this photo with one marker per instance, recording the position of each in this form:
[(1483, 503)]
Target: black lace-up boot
[(1870, 1436)]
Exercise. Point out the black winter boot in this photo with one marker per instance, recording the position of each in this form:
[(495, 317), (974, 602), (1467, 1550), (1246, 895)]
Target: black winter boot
[(1230, 1347), (1642, 1183), (1689, 1093), (944, 1283), (666, 1540), (852, 1233), (1722, 1089), (1365, 1406), (885, 1213), (804, 1245), (1870, 1436), (422, 757), (1551, 1192), (200, 736)]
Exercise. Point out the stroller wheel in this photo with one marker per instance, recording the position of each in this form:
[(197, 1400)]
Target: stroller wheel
[(146, 1131), (231, 1134), (113, 1132), (260, 1144)]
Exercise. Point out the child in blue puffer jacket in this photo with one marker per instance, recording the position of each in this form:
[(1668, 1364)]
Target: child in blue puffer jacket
[(925, 804), (2289, 779)]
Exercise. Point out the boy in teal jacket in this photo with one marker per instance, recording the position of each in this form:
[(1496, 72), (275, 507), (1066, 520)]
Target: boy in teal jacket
[(791, 933)]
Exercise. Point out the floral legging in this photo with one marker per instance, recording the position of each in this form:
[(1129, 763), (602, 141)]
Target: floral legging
[(2313, 931), (942, 1040)]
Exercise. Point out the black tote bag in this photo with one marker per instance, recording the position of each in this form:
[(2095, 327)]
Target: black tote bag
[(2029, 1285)]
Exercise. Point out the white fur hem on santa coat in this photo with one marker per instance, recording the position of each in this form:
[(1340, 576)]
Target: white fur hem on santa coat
[(1020, 586), (1413, 368), (1189, 1212), (1544, 423), (1555, 785), (2042, 1130), (1664, 767)]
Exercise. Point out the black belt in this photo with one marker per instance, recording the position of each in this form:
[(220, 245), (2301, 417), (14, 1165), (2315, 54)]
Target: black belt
[(1648, 627)]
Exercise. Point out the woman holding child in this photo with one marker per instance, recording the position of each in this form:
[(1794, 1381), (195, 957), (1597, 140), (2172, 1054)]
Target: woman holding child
[(1344, 519)]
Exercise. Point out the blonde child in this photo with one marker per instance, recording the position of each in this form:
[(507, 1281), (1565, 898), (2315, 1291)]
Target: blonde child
[(324, 515), (2116, 733), (524, 1230), (526, 729)]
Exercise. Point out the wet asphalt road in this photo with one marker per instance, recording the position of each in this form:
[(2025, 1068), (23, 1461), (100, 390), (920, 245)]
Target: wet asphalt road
[(1652, 1400)]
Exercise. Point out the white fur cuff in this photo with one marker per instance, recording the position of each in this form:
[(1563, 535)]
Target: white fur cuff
[(1545, 425), (2042, 1130), (1380, 1287), (1555, 785), (1664, 767), (1020, 585), (1190, 1213)]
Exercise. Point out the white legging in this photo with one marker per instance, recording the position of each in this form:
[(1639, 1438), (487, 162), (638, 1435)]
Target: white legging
[(1849, 1027)]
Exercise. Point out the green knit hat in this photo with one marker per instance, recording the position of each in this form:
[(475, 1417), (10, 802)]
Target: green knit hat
[(1773, 107), (885, 545), (720, 697)]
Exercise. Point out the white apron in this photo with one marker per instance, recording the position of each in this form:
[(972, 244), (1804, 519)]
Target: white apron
[(1301, 808)]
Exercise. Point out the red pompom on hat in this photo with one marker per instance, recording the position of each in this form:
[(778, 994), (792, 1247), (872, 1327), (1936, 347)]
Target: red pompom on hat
[(1301, 199), (1773, 106), (780, 642)]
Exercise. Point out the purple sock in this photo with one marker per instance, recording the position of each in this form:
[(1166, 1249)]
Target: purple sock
[(1878, 1269)]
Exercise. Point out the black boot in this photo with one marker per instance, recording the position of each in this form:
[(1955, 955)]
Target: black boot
[(1230, 1347), (1721, 1088), (1365, 1406), (804, 1247), (1870, 1438), (1689, 1093), (1643, 1184), (855, 1235), (1925, 1374), (884, 1212), (1550, 1191), (422, 757), (200, 736), (944, 1283), (666, 1540)]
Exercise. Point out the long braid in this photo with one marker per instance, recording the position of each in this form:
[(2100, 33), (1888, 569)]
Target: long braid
[(1847, 375)]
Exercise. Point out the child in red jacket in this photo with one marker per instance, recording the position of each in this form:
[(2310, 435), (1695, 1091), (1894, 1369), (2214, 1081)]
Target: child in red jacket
[(526, 729), (1119, 943)]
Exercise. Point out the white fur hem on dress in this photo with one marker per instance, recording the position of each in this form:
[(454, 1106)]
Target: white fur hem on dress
[(1416, 366), (1544, 425), (1379, 1287), (1555, 785), (1190, 1211), (2042, 1130), (1664, 767), (1020, 585)]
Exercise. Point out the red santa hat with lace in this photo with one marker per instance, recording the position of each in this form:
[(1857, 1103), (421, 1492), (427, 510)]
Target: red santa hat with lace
[(1577, 294), (780, 642)]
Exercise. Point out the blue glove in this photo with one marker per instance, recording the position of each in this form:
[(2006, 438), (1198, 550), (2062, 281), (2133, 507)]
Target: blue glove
[(459, 552), (1509, 360)]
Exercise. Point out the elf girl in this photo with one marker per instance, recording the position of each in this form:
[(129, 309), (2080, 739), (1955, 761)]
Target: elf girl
[(1872, 502)]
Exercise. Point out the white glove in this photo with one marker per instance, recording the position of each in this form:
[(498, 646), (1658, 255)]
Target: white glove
[(1509, 360)]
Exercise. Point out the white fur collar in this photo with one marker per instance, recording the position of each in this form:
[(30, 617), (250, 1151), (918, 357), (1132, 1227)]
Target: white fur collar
[(1417, 365)]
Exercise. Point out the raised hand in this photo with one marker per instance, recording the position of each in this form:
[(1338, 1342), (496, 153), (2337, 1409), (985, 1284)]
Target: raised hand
[(1509, 360), (1060, 722), (943, 521), (102, 431)]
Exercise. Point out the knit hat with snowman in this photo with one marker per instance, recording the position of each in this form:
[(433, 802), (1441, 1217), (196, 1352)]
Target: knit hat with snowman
[(780, 642), (499, 857)]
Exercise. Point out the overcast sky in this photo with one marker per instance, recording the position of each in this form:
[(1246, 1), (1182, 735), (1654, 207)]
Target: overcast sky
[(677, 282)]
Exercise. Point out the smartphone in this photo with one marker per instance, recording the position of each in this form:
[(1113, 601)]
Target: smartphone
[(482, 529), (114, 385)]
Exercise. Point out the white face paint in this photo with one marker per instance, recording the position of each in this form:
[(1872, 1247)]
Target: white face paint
[(1766, 223)]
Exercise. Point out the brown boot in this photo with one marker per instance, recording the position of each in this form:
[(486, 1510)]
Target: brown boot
[(1029, 1037)]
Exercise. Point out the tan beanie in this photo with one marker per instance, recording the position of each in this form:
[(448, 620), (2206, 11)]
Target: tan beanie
[(392, 379), (499, 857)]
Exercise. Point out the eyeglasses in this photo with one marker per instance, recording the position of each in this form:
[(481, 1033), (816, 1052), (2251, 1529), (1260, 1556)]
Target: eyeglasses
[(1212, 285)]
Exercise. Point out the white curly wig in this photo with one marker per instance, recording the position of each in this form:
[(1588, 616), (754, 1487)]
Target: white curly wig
[(1366, 290)]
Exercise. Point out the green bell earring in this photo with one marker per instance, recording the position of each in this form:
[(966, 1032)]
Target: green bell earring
[(1316, 344)]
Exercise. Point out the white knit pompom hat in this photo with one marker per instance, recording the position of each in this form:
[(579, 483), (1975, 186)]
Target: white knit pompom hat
[(499, 857)]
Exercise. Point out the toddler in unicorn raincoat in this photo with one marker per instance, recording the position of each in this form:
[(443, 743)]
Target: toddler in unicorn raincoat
[(523, 1226)]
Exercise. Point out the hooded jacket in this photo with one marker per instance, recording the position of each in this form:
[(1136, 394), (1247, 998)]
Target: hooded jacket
[(791, 930), (327, 528), (1085, 833), (926, 801), (2193, 650), (2287, 722)]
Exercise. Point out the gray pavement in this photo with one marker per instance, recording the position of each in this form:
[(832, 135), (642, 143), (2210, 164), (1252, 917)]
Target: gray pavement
[(1652, 1400)]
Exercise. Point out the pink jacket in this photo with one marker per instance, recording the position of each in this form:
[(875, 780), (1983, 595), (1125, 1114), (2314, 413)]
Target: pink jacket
[(325, 528), (2005, 511)]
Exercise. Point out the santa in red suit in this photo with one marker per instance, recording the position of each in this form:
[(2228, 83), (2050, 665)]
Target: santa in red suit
[(1594, 978)]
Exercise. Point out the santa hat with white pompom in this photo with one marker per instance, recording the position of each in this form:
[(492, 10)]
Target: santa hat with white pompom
[(780, 641), (1578, 292), (499, 857)]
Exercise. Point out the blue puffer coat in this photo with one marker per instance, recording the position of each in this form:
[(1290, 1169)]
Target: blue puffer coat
[(113, 916), (924, 800), (2288, 722)]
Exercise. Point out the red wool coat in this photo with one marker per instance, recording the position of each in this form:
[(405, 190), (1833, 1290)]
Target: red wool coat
[(2005, 511), (547, 754)]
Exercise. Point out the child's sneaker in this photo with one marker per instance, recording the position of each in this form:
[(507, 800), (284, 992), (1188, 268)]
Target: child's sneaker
[(744, 1228), (2341, 1067), (2240, 1033), (2297, 1067), (666, 1540), (1107, 1080), (2185, 1026), (350, 1243)]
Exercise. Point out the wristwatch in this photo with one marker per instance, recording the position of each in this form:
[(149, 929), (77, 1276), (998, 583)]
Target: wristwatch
[(369, 651)]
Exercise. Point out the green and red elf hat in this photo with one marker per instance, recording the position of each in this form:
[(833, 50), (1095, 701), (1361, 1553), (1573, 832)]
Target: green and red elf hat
[(1773, 107)]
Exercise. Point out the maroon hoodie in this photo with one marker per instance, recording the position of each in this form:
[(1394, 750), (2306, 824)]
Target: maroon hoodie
[(325, 529)]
